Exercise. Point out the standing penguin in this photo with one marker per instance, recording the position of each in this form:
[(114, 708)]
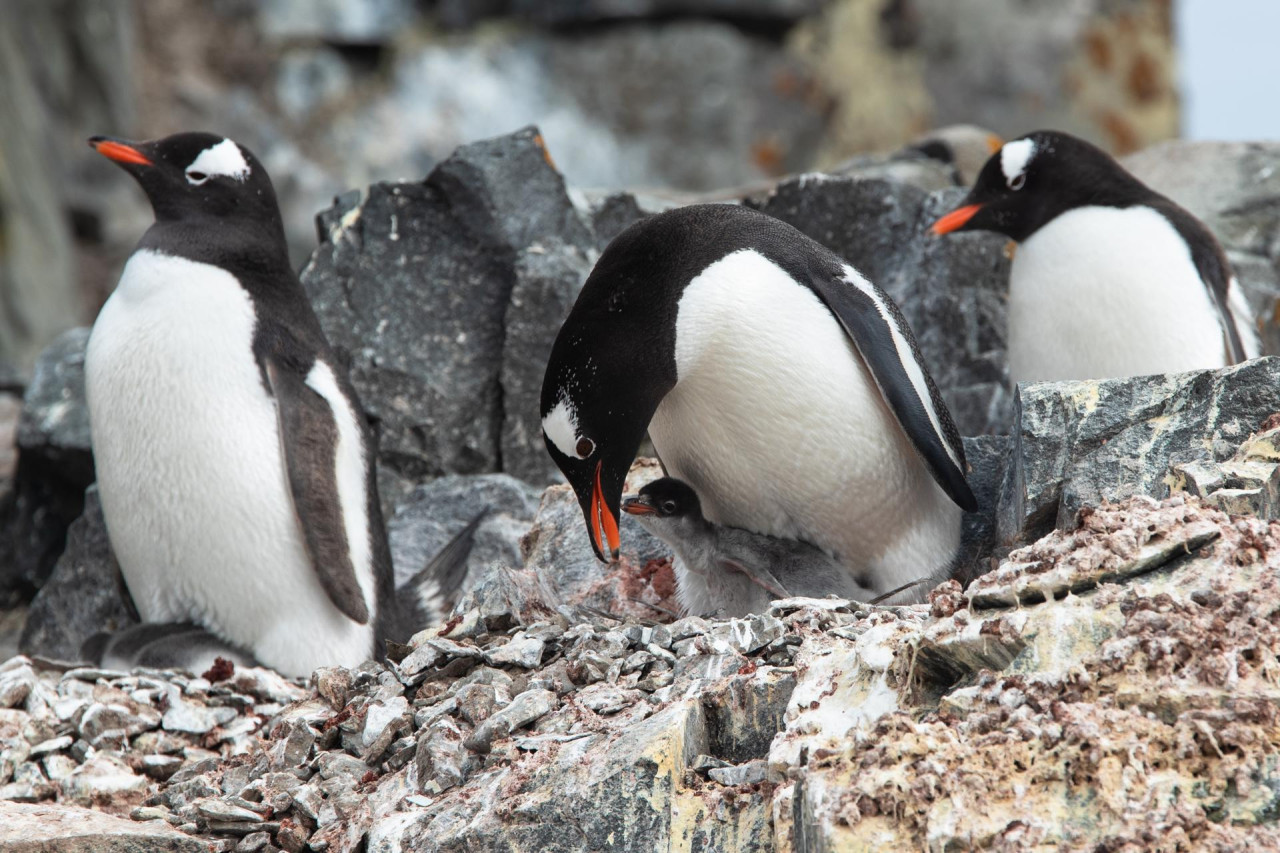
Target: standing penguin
[(1110, 278), (235, 467), (774, 379)]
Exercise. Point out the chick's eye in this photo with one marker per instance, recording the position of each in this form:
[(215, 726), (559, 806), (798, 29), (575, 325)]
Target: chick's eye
[(585, 447), (668, 507), (1016, 182), (197, 178)]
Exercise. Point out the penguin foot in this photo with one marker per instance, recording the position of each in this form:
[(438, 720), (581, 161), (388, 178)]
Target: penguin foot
[(168, 645)]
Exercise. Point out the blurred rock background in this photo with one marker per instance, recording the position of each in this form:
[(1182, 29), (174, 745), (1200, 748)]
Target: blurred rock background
[(671, 95)]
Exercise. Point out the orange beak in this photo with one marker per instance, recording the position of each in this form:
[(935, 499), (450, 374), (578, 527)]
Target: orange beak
[(118, 151), (604, 527), (637, 505), (994, 143), (955, 219)]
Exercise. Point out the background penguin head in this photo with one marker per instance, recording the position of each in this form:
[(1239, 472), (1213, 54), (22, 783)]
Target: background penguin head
[(1033, 179), (191, 175)]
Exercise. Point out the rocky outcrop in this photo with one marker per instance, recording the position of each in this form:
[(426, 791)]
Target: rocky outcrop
[(1078, 443), (1105, 686)]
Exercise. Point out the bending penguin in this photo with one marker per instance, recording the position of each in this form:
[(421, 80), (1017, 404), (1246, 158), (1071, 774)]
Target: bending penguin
[(773, 378), (730, 570), (235, 467), (1110, 277)]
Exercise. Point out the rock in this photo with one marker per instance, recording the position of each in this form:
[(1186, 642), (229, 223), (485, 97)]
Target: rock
[(987, 457), (1078, 443), (521, 650), (578, 12), (66, 829), (197, 719), (431, 379), (435, 512), (523, 710), (54, 465), (361, 22), (749, 773), (85, 593)]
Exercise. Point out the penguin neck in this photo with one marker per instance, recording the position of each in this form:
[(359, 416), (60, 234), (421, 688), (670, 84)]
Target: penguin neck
[(254, 246)]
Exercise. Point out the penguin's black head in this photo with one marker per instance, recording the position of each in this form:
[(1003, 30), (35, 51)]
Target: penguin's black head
[(612, 363), (1033, 179), (196, 175), (665, 498)]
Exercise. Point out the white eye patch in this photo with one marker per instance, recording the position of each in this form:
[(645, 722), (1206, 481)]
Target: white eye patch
[(1014, 157), (224, 159), (561, 426)]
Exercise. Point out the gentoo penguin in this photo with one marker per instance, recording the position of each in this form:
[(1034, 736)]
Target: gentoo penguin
[(235, 467), (773, 378), (730, 570), (1110, 278), (964, 147)]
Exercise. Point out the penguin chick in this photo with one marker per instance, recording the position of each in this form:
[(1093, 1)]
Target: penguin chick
[(1110, 278), (730, 570)]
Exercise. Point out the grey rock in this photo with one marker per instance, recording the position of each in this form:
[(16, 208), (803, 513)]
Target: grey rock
[(442, 762), (54, 464), (987, 457), (1078, 443), (338, 21), (68, 829), (578, 12), (16, 683), (431, 378), (435, 512), (613, 214), (183, 716), (745, 635), (523, 710), (85, 593), (749, 773), (476, 702), (520, 650), (216, 809)]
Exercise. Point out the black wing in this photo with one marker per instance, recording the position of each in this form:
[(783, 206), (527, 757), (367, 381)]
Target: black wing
[(309, 444), (884, 340)]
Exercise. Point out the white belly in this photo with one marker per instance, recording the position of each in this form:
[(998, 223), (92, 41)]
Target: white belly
[(189, 466), (1102, 292), (778, 426)]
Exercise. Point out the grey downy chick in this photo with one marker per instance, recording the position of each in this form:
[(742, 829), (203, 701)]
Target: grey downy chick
[(730, 570)]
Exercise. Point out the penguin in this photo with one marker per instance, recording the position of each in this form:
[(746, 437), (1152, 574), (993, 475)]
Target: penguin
[(728, 570), (964, 147), (784, 387), (236, 470), (1110, 278)]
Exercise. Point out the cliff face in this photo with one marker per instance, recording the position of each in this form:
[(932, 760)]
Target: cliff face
[(1111, 684)]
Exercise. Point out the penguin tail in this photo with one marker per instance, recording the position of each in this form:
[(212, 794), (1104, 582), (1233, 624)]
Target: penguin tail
[(438, 583)]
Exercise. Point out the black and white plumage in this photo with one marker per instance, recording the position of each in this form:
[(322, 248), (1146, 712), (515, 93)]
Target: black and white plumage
[(777, 381), (728, 570), (235, 466), (1110, 278)]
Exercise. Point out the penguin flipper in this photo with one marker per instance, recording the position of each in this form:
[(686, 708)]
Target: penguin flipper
[(309, 445), (888, 348), (156, 645), (761, 577)]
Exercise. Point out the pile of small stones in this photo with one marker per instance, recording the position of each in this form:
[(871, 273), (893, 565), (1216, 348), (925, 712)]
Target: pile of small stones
[(251, 761)]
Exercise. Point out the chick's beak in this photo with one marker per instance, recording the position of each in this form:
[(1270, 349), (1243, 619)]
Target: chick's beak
[(604, 527), (119, 150), (637, 505), (956, 219)]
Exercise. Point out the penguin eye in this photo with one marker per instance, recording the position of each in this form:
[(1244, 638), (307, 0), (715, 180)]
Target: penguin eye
[(585, 447), (196, 178), (1016, 182), (668, 507)]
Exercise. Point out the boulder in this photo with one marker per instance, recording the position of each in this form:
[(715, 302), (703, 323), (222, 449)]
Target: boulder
[(85, 593), (1076, 444), (435, 512), (55, 465), (31, 828), (413, 286)]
